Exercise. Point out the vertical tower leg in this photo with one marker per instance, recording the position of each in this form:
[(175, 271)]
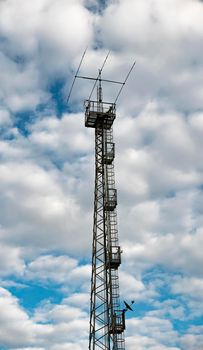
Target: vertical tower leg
[(99, 315), (106, 318)]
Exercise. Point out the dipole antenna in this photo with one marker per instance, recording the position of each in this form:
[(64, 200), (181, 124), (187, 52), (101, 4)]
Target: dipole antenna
[(98, 78), (122, 83)]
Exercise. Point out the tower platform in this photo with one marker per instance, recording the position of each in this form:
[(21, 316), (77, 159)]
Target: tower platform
[(99, 114), (117, 323)]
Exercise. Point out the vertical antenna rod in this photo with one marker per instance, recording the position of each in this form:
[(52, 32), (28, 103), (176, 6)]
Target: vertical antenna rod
[(71, 89), (125, 81)]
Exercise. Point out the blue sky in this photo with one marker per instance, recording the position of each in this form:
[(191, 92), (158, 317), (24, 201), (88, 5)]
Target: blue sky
[(47, 169)]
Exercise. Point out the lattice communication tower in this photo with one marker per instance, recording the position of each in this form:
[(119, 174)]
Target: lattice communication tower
[(107, 318)]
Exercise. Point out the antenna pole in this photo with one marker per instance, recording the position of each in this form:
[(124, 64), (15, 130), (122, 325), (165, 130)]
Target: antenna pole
[(99, 75), (100, 88)]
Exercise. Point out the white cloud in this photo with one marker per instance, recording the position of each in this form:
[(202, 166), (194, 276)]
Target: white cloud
[(28, 26), (193, 287), (172, 253), (47, 267), (80, 300), (159, 35), (5, 118), (39, 42), (159, 150), (11, 260), (133, 288), (61, 270), (16, 327), (18, 330), (20, 87), (58, 313), (40, 208), (66, 137), (170, 309), (193, 339), (143, 343), (151, 333)]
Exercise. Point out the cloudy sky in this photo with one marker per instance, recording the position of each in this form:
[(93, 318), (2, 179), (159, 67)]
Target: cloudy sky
[(47, 169)]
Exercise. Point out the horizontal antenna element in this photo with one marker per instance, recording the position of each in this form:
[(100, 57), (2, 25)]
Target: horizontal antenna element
[(96, 79)]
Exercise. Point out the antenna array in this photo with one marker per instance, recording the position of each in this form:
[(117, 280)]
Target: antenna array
[(98, 78)]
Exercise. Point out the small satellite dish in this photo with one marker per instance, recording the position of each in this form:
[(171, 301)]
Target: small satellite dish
[(128, 307)]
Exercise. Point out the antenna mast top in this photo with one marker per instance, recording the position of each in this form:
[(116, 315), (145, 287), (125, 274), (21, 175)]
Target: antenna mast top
[(99, 89)]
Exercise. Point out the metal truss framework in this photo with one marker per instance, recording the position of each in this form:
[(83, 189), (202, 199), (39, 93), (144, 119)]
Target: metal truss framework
[(107, 320)]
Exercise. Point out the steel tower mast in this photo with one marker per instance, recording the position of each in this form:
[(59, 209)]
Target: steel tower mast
[(107, 319)]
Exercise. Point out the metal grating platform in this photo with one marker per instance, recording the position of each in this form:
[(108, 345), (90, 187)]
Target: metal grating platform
[(99, 115)]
